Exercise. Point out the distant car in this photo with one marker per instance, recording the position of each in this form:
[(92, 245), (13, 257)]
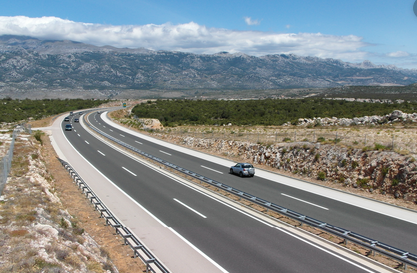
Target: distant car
[(68, 127), (71, 113), (80, 113), (76, 120), (243, 169), (66, 119)]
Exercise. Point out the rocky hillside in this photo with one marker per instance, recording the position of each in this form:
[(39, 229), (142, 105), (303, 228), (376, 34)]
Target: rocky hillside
[(32, 65), (381, 172)]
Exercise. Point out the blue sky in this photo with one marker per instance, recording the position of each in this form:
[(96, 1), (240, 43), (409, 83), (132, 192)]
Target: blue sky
[(382, 31)]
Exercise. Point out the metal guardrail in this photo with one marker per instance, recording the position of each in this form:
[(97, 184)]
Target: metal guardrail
[(139, 250), (405, 257)]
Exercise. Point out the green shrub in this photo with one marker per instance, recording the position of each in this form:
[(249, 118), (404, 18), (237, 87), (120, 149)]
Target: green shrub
[(321, 176), (321, 139), (287, 139), (354, 164), (38, 136), (63, 223), (363, 183), (395, 182), (385, 171), (366, 148), (379, 147)]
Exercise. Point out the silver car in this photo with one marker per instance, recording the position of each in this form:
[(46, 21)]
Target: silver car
[(243, 169)]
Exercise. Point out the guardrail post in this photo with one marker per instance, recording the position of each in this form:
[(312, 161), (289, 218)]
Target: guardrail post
[(147, 264)]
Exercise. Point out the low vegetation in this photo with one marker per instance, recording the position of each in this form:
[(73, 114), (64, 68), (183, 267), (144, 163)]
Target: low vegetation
[(259, 112), (19, 110)]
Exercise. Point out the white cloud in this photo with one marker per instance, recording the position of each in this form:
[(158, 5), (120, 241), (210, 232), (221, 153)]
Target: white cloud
[(189, 37), (398, 54), (251, 22)]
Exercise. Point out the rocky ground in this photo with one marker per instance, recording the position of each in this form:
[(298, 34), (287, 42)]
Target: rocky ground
[(47, 225), (372, 170)]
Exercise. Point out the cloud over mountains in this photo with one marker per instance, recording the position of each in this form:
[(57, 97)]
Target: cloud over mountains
[(189, 37)]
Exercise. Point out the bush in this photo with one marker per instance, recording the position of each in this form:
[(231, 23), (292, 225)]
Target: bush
[(363, 183), (354, 164), (63, 223), (385, 171), (321, 176), (38, 136), (321, 139), (379, 147)]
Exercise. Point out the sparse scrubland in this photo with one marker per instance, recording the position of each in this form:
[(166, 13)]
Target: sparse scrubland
[(372, 158)]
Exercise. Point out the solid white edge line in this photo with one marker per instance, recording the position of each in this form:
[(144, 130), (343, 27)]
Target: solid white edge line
[(132, 173), (198, 250), (301, 200), (211, 169), (325, 250), (139, 205), (165, 152), (105, 177), (253, 217), (359, 204), (190, 208), (118, 188)]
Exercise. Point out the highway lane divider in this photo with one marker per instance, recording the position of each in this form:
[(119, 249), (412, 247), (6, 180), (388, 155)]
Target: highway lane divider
[(405, 258), (139, 250)]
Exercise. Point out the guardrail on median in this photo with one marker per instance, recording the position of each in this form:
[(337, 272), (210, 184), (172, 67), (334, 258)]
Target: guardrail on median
[(139, 250), (405, 257)]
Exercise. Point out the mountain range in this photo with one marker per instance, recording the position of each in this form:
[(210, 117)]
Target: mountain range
[(34, 68)]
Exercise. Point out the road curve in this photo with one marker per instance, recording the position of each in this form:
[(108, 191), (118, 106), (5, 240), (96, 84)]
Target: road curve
[(227, 239)]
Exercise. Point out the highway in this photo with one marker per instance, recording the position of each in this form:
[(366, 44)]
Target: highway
[(363, 221), (234, 240)]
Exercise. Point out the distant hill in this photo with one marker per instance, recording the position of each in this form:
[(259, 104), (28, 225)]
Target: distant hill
[(35, 68)]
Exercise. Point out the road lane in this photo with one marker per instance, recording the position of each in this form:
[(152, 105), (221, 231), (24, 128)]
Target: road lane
[(357, 219), (237, 242)]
